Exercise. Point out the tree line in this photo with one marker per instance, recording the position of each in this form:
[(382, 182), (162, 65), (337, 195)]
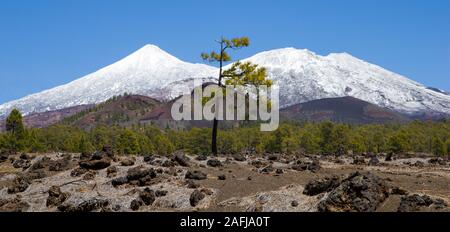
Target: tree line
[(291, 138)]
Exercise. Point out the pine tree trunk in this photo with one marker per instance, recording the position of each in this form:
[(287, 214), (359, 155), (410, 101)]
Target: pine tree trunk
[(216, 122), (214, 137)]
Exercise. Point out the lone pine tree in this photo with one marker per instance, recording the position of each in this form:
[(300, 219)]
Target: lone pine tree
[(242, 74)]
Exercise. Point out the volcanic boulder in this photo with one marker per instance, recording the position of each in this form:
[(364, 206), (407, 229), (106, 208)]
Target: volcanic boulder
[(19, 185), (195, 175), (111, 171), (196, 197), (59, 165), (214, 163), (437, 161), (85, 206), (98, 161), (13, 205), (313, 166), (21, 163), (357, 192), (359, 160), (181, 159), (128, 161), (326, 184), (201, 157), (147, 196), (415, 202), (374, 161), (136, 204), (55, 196), (239, 157)]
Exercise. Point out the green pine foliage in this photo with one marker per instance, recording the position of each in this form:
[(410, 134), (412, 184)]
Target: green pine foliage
[(291, 138)]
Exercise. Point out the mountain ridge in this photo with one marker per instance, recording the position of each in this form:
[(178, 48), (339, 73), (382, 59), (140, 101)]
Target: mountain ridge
[(127, 110), (301, 74)]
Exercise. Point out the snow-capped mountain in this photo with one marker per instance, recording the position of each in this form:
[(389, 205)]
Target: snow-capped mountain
[(149, 71), (301, 75)]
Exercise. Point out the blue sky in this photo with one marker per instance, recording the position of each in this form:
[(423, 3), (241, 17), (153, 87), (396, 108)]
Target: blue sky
[(46, 43)]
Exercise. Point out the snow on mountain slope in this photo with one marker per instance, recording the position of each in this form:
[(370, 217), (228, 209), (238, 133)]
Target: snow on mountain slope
[(302, 76), (149, 71)]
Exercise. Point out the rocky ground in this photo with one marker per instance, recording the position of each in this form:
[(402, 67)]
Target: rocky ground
[(103, 182)]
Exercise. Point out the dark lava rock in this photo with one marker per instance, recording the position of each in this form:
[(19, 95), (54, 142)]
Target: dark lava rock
[(59, 165), (195, 175), (192, 184), (4, 155), (300, 167), (119, 181), (257, 163), (96, 164), (267, 169), (40, 164), (398, 191), (239, 157), (111, 171), (374, 161), (85, 156), (279, 171), (78, 172), (25, 156), (294, 203), (168, 164), (137, 176), (160, 193), (439, 203), (359, 160), (34, 175), (196, 197), (314, 166), (136, 204), (55, 196), (437, 161), (149, 158), (182, 160), (338, 161), (13, 205), (303, 166), (273, 157), (389, 157), (19, 185), (127, 162), (222, 177), (138, 173), (357, 192), (21, 163), (98, 156), (116, 208), (86, 206), (214, 163), (327, 184), (415, 202), (419, 164), (201, 157), (147, 196)]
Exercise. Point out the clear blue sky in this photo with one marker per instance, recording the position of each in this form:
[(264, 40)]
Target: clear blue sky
[(46, 43)]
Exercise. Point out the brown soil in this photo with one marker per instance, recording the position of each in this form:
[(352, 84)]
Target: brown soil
[(245, 188)]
